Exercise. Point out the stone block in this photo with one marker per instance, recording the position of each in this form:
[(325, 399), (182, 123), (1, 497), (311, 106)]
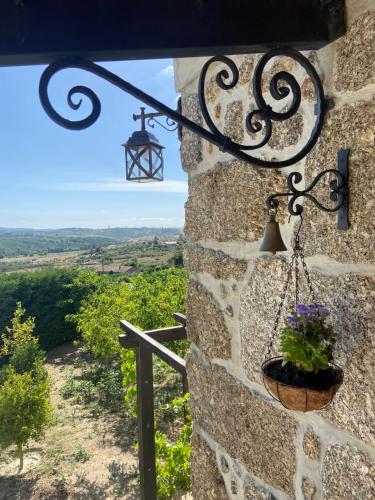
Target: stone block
[(287, 133), (251, 430), (347, 474), (355, 62), (207, 482), (246, 69), (259, 301), (191, 144), (206, 325), (351, 300), (234, 122), (309, 489), (311, 446), (353, 128), (227, 203), (255, 492), (219, 264), (212, 90)]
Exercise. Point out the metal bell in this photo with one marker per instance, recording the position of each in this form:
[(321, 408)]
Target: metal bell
[(272, 240)]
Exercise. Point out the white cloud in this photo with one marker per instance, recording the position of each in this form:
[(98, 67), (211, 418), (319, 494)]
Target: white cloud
[(120, 185), (168, 72)]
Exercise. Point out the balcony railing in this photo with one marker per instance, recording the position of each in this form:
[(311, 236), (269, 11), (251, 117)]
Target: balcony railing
[(146, 344)]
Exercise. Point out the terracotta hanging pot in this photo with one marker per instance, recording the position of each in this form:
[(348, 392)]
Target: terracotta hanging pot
[(307, 391)]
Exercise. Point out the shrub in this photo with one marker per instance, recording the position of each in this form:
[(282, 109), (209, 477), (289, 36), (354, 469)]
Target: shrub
[(25, 408), (81, 455), (19, 333), (47, 297), (26, 358), (173, 458)]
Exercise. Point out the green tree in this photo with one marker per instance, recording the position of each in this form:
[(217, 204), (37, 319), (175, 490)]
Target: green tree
[(19, 333), (177, 259), (25, 409), (147, 301), (48, 296)]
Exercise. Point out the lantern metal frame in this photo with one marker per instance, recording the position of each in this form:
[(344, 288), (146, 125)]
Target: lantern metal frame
[(141, 146), (259, 121), (143, 143)]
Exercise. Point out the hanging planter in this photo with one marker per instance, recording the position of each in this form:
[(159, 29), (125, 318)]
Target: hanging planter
[(307, 392), (304, 378)]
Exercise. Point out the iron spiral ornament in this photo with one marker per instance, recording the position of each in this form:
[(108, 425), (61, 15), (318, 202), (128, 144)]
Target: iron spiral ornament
[(282, 85), (170, 125), (337, 187), (260, 120), (339, 191)]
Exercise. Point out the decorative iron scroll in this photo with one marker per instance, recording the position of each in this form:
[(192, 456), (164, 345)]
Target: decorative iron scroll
[(338, 191), (170, 125), (264, 111), (281, 85)]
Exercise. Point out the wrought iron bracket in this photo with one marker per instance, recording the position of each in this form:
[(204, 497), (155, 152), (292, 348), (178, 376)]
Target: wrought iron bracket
[(339, 191), (151, 119), (283, 87)]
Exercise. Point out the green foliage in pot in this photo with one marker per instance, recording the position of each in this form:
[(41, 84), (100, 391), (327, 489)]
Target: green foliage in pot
[(307, 341)]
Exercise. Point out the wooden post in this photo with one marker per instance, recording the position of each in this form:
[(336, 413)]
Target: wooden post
[(146, 431)]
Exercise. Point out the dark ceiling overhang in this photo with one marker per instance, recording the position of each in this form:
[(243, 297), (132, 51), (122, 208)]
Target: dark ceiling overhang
[(39, 31)]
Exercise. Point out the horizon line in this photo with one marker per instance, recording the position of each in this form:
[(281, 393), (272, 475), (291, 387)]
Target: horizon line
[(89, 228)]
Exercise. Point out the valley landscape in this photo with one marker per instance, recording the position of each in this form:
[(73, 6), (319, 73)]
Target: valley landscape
[(29, 249), (62, 294)]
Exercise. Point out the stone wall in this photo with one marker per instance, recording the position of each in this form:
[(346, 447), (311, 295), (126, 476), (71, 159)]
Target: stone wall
[(245, 445)]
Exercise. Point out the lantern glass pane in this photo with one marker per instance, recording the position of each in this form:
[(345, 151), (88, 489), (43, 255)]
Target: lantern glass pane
[(144, 163)]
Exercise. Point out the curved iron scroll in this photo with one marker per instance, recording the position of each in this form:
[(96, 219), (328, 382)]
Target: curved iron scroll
[(338, 191), (170, 125), (264, 112)]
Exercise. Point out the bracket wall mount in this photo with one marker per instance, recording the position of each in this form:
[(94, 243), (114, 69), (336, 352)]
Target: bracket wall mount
[(339, 191)]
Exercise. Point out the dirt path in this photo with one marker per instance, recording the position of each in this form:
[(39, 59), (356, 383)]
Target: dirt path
[(82, 457)]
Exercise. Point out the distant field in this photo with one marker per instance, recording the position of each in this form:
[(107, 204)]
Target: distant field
[(144, 254), (32, 242)]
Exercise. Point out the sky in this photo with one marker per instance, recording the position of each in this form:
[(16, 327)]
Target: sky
[(51, 177)]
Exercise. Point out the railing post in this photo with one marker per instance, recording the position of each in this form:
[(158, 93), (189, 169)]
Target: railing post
[(146, 431)]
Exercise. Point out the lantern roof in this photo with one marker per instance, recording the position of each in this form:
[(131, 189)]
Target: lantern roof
[(142, 138)]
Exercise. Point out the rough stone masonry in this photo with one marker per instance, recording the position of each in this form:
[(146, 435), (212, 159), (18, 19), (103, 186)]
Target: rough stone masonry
[(245, 445)]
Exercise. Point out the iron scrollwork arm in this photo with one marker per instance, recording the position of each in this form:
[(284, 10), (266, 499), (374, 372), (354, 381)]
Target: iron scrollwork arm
[(338, 191), (282, 85)]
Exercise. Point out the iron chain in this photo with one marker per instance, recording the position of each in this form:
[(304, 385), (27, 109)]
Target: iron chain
[(280, 308), (296, 256)]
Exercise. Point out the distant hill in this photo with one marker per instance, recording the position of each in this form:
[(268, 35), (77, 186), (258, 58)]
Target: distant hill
[(21, 241)]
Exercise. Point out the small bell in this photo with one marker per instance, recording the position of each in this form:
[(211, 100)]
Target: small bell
[(272, 240)]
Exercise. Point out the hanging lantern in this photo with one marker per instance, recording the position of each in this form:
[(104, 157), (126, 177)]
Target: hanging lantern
[(143, 157)]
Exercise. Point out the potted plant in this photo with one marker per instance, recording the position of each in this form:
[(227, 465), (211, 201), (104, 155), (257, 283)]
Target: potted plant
[(304, 378)]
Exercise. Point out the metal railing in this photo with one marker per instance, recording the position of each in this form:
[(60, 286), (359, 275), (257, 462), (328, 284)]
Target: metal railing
[(146, 344)]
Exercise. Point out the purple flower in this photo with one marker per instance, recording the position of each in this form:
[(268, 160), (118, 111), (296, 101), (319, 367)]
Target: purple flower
[(292, 320), (311, 310), (325, 342)]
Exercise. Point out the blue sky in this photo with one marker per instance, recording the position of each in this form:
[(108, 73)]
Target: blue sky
[(52, 177)]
